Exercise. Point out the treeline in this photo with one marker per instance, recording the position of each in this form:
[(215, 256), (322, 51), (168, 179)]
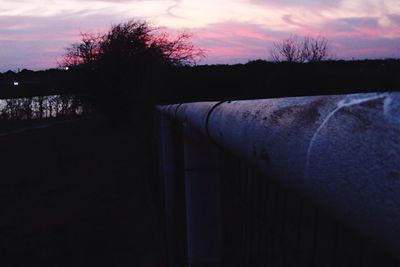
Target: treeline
[(41, 107), (262, 79), (27, 83), (256, 79)]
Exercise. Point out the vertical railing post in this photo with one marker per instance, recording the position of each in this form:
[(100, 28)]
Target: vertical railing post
[(203, 204), (171, 160)]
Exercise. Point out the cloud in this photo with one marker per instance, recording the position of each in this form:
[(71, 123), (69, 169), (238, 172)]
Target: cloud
[(36, 8), (365, 47), (353, 26), (35, 32), (362, 27), (38, 42), (233, 42), (300, 3)]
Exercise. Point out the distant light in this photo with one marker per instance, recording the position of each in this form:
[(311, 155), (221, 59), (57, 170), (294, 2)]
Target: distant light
[(16, 83), (66, 68)]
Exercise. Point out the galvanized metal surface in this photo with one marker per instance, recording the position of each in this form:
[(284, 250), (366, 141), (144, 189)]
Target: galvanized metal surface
[(342, 151), (203, 207)]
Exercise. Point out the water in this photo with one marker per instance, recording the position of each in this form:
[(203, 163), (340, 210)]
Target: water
[(40, 107)]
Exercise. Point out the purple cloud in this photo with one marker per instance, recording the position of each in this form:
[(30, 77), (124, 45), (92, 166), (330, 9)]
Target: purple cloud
[(300, 3), (37, 41), (234, 42), (351, 24), (360, 47), (240, 42)]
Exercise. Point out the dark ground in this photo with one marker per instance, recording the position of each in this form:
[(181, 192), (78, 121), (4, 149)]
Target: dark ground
[(79, 193)]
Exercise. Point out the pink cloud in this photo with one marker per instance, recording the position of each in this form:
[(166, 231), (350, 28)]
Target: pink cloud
[(235, 41), (367, 27), (37, 42), (318, 4)]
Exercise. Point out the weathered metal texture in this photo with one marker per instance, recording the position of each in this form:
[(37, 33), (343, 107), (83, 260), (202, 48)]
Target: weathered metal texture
[(171, 169), (167, 162), (341, 151), (203, 207), (202, 189)]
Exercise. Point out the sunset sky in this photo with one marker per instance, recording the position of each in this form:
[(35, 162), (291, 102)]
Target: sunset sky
[(35, 33)]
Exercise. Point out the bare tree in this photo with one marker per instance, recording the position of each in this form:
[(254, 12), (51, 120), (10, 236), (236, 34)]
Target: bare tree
[(40, 109), (132, 42), (286, 50), (314, 49), (178, 51), (84, 53), (299, 50)]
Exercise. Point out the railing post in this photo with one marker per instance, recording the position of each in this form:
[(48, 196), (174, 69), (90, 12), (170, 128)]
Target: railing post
[(203, 204), (171, 160)]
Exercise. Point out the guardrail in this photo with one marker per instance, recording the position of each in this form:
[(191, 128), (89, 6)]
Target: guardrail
[(342, 152)]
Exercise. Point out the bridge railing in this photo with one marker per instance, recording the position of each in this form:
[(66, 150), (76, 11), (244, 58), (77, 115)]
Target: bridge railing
[(339, 154)]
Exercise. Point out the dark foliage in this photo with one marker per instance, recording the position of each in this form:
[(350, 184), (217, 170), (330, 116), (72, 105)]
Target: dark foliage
[(262, 79), (36, 83), (256, 79), (113, 69), (41, 107)]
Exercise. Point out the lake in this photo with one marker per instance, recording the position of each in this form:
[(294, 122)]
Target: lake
[(40, 107)]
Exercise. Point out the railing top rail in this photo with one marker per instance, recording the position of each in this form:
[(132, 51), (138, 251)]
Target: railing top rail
[(341, 151)]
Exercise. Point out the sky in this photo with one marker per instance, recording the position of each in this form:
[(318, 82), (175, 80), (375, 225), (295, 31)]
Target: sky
[(35, 33)]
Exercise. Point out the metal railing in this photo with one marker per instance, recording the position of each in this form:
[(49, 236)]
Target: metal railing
[(341, 153)]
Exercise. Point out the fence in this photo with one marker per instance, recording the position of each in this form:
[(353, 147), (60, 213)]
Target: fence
[(301, 181)]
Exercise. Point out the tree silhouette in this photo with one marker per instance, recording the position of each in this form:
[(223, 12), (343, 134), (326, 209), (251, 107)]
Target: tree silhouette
[(314, 49), (83, 53), (286, 50), (132, 43), (300, 50), (113, 68)]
